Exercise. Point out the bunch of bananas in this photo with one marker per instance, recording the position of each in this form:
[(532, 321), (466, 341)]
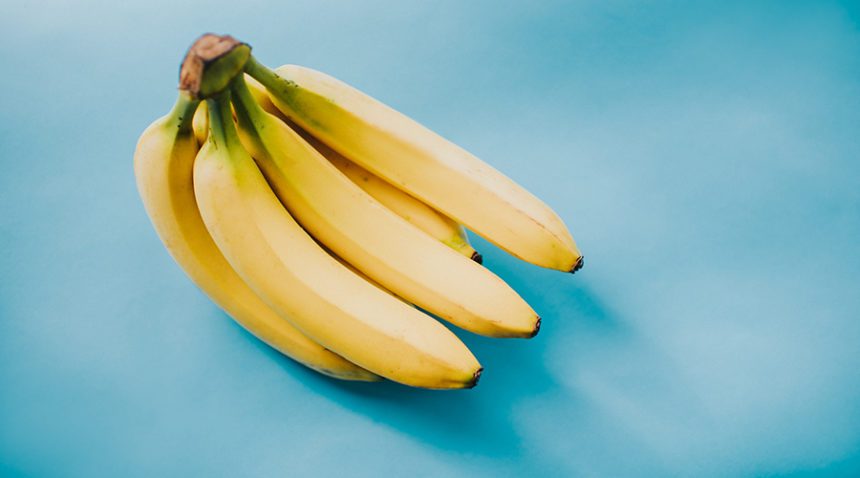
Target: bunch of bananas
[(330, 226)]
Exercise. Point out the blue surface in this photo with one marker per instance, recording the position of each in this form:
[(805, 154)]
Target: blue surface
[(707, 160)]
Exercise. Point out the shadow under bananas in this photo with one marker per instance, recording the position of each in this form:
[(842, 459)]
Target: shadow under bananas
[(482, 420)]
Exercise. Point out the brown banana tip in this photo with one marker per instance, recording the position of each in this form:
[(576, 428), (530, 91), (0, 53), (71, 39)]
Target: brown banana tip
[(208, 48), (537, 328), (477, 257), (578, 265), (475, 378)]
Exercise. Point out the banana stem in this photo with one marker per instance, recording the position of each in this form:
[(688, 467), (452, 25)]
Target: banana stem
[(222, 130), (182, 114), (249, 113), (268, 78)]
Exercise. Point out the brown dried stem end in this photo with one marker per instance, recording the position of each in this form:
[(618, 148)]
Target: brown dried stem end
[(578, 265), (477, 257), (536, 329), (472, 383), (211, 63)]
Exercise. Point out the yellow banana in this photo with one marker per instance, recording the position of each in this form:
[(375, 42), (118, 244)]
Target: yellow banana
[(374, 239), (422, 163), (325, 300), (429, 220), (163, 164), (200, 123)]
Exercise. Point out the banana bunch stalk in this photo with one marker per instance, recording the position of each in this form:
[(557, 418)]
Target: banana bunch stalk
[(331, 226)]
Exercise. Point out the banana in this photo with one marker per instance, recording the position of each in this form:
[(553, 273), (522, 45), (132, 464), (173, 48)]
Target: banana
[(429, 220), (391, 251), (200, 123), (422, 163), (284, 265), (163, 164)]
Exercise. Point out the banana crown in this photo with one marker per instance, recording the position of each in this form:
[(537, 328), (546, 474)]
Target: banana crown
[(211, 63)]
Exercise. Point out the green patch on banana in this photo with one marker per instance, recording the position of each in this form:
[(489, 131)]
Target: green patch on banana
[(285, 90)]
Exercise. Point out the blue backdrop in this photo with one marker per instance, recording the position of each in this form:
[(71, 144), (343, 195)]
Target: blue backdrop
[(706, 157)]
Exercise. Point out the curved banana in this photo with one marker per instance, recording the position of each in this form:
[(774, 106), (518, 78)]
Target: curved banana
[(163, 165), (374, 239), (329, 303), (422, 163), (429, 220)]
